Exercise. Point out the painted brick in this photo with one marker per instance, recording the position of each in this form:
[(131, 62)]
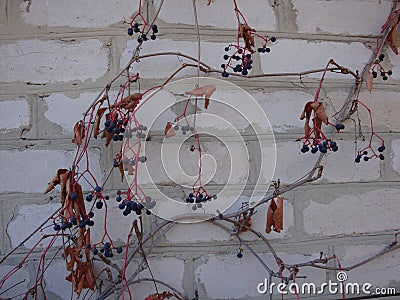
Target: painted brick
[(20, 287), (212, 279), (53, 61), (77, 14), (262, 18), (65, 111), (14, 114), (37, 167), (348, 17), (164, 66), (381, 272), (28, 218), (55, 280), (394, 64), (338, 216), (275, 104), (383, 105), (168, 269), (301, 55), (396, 155), (200, 232)]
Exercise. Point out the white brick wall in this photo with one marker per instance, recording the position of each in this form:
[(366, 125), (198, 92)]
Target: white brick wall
[(338, 215), (300, 55), (37, 168), (52, 61), (14, 114), (74, 13), (348, 17)]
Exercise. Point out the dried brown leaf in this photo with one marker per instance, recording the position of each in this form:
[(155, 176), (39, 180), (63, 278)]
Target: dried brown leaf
[(320, 113), (246, 32), (159, 296), (99, 115), (56, 180), (79, 133), (307, 111), (391, 38), (369, 80), (131, 101), (169, 130), (205, 91), (278, 215), (270, 216)]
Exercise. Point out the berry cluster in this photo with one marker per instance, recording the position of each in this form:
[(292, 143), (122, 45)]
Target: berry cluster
[(240, 60), (322, 147), (116, 127), (106, 249), (73, 221), (198, 198), (378, 68), (363, 154), (135, 28), (184, 128), (128, 204)]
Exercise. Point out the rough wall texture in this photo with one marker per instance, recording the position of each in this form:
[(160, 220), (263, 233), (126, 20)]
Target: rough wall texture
[(55, 58)]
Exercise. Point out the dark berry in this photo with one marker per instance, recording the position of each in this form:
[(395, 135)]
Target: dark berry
[(119, 250), (91, 223), (73, 220), (148, 212), (314, 150), (339, 126), (383, 73), (91, 214), (153, 37), (130, 31), (357, 160), (304, 149), (239, 255), (57, 227), (381, 56), (115, 138), (199, 205), (225, 74), (118, 192), (323, 149), (366, 158), (143, 36), (95, 251), (155, 30), (365, 152), (260, 50), (121, 206), (135, 25), (223, 66), (381, 156), (136, 29), (97, 189), (268, 50), (389, 72), (194, 207), (99, 204), (226, 56), (333, 144), (139, 40), (248, 55), (107, 123), (154, 27), (226, 48), (244, 72), (381, 148), (384, 78), (73, 196), (118, 198), (82, 224), (107, 197), (273, 39), (374, 74), (334, 149), (120, 137)]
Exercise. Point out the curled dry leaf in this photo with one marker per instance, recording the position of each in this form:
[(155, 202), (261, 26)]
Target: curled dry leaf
[(99, 115), (160, 296), (131, 101), (320, 116), (209, 2), (275, 215), (368, 80), (169, 130), (245, 31), (391, 39), (247, 224), (79, 133), (56, 180), (205, 91)]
